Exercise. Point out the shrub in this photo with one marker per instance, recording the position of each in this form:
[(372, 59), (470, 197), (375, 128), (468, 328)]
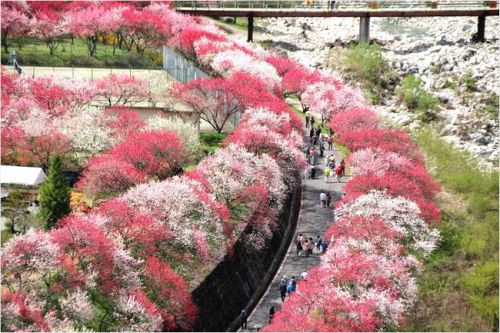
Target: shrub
[(468, 81), (413, 95)]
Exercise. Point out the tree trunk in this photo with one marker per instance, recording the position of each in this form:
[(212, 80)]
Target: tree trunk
[(5, 45)]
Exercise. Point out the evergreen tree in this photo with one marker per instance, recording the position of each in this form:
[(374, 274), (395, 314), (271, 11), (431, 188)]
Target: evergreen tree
[(54, 194)]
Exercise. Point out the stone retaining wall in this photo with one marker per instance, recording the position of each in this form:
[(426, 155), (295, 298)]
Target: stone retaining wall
[(239, 281)]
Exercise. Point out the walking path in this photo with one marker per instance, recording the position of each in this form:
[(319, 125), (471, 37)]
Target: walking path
[(313, 220)]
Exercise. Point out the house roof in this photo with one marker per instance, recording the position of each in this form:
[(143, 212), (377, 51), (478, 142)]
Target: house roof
[(21, 175)]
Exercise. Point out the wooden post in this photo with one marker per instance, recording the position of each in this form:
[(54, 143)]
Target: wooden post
[(481, 23), (250, 28)]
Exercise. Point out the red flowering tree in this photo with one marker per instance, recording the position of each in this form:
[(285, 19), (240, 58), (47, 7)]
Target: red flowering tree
[(353, 120), (171, 295), (319, 305), (92, 258), (185, 41), (156, 153), (58, 95), (49, 27), (45, 145), (397, 184), (21, 314), (123, 121), (138, 232), (386, 139), (106, 176)]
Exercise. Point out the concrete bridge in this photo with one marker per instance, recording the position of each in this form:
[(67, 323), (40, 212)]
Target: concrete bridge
[(342, 8)]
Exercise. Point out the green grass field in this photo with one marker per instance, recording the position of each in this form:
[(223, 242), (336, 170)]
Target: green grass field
[(33, 52)]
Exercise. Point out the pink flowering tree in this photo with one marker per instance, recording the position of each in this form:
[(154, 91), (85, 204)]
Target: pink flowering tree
[(123, 121), (213, 99), (48, 26), (198, 223), (105, 176), (228, 62), (403, 215), (353, 120), (376, 161), (118, 89), (15, 24), (86, 23), (250, 186), (139, 233), (259, 140)]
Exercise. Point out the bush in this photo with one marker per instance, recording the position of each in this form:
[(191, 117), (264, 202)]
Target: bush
[(413, 95), (469, 81), (492, 105), (210, 141), (366, 61)]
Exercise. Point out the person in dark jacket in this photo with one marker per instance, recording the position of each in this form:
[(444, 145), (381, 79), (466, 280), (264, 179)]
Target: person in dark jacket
[(282, 289), (243, 319), (271, 314)]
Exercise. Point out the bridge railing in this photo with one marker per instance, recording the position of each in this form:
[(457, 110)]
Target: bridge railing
[(347, 5)]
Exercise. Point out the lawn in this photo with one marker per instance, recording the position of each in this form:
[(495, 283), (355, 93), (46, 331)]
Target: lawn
[(33, 52)]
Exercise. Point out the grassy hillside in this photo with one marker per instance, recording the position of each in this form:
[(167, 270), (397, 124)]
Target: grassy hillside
[(459, 283)]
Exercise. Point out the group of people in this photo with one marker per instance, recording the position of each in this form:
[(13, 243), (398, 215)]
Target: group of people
[(332, 4), (331, 167), (306, 246)]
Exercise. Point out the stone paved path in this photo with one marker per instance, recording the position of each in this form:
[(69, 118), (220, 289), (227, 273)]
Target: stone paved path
[(313, 220)]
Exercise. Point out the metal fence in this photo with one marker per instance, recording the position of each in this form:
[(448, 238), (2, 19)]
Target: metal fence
[(179, 67), (90, 73)]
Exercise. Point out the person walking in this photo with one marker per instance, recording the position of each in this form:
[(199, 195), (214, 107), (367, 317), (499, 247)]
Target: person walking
[(311, 132), (282, 289), (290, 288), (318, 242), (304, 275), (318, 131), (312, 171), (327, 172), (321, 150), (312, 154), (271, 314), (322, 199), (312, 121), (306, 247), (338, 172), (307, 120), (328, 200), (329, 139), (324, 246), (311, 247), (298, 243), (243, 319), (342, 164)]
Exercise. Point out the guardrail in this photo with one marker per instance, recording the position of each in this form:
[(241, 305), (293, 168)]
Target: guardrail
[(343, 5)]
